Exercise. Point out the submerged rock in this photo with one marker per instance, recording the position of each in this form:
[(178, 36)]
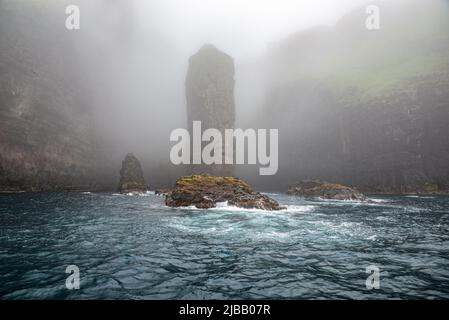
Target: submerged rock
[(205, 191), (131, 176), (325, 190)]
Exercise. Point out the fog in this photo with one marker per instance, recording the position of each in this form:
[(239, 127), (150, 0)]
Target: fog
[(241, 28), (132, 56), (136, 53), (148, 44)]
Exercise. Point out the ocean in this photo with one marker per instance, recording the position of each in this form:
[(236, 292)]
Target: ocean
[(134, 247)]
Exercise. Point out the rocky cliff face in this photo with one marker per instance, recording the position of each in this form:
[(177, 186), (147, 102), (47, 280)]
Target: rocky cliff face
[(64, 94), (210, 96), (45, 138), (394, 142), (365, 108), (397, 142)]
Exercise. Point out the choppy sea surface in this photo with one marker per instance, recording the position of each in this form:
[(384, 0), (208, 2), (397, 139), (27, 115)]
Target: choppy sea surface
[(134, 247)]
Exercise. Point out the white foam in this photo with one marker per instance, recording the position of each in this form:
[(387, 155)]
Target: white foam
[(420, 197), (135, 194), (224, 206), (342, 202), (378, 200), (296, 208)]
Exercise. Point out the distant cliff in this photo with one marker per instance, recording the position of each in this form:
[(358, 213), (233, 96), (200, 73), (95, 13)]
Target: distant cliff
[(73, 103), (46, 140), (365, 108)]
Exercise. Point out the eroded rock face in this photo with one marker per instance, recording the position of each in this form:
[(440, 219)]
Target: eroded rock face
[(210, 97), (205, 191), (47, 141), (380, 136), (325, 190), (131, 176)]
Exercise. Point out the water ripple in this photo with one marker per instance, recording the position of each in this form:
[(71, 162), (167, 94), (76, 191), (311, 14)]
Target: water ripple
[(134, 247)]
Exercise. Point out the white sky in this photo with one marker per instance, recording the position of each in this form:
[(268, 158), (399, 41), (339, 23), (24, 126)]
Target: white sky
[(239, 27)]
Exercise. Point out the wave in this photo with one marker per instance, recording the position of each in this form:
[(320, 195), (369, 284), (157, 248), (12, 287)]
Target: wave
[(420, 197), (379, 200), (225, 206), (135, 194)]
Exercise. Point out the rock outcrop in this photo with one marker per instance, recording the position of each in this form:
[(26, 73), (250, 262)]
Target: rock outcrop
[(325, 190), (210, 97), (131, 176), (205, 191)]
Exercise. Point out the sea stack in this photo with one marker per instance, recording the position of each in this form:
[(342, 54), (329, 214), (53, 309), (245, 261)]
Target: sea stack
[(210, 98), (205, 191), (131, 176)]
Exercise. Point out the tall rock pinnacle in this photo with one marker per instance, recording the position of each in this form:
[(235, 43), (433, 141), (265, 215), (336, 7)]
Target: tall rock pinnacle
[(210, 97)]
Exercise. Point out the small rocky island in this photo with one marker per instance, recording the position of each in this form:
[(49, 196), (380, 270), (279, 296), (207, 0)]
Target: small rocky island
[(205, 191), (131, 176), (325, 190)]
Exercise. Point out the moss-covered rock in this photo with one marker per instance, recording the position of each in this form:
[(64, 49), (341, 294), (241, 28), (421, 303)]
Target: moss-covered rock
[(205, 191), (325, 190)]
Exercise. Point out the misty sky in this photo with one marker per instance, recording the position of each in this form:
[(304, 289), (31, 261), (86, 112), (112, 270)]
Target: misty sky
[(240, 27)]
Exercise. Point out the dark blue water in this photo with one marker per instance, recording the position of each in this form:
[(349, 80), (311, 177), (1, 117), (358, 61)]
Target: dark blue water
[(133, 247)]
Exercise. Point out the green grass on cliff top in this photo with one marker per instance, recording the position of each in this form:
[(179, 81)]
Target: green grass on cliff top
[(411, 44)]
